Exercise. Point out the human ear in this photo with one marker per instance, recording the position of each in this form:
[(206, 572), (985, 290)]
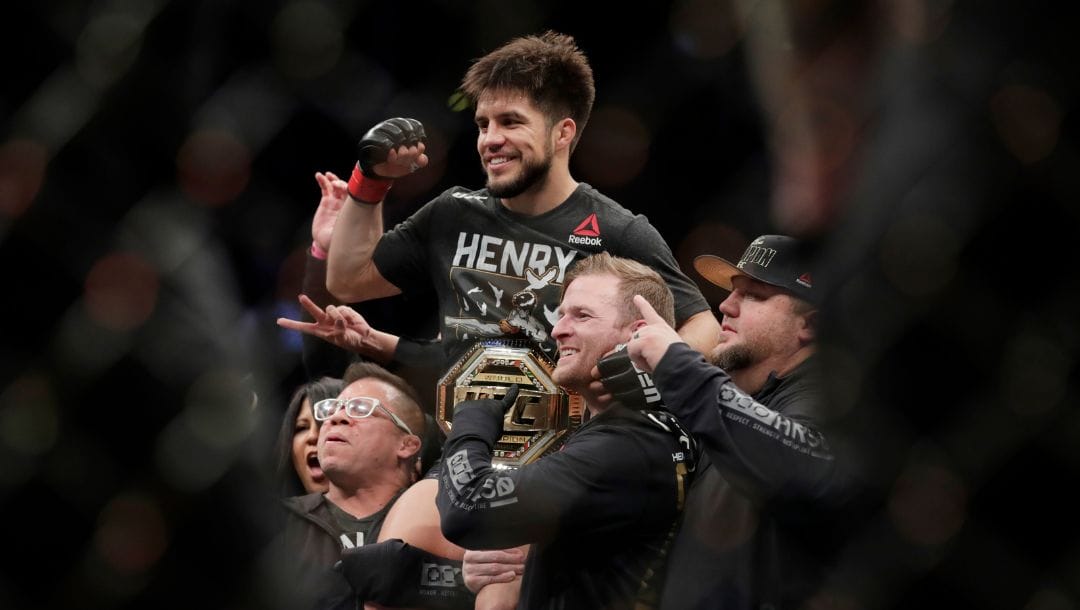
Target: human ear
[(410, 446), (565, 130), (808, 332)]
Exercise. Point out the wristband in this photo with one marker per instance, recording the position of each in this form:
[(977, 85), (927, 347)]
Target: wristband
[(318, 252), (366, 189)]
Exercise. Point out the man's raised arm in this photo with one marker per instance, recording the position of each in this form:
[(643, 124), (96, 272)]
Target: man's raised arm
[(390, 150)]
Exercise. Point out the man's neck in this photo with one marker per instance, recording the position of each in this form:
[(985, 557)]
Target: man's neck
[(752, 379), (595, 410), (593, 406), (364, 499), (544, 196)]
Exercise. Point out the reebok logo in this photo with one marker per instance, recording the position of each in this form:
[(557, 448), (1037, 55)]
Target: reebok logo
[(587, 233), (588, 227), (805, 280)]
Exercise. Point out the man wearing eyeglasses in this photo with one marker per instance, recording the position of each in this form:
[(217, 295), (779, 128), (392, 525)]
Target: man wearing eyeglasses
[(598, 512), (369, 443)]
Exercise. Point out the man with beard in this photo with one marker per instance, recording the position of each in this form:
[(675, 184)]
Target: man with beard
[(598, 512), (762, 522), (511, 242)]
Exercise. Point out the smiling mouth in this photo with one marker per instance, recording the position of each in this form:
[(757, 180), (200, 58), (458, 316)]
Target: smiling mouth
[(495, 162)]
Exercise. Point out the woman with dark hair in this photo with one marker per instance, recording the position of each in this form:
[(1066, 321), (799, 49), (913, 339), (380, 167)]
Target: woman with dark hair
[(297, 449)]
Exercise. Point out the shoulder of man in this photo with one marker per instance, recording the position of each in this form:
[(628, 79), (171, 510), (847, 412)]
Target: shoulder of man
[(460, 193), (611, 218), (310, 524), (798, 394), (619, 418), (454, 197), (304, 504), (446, 205), (656, 434), (602, 203), (662, 423)]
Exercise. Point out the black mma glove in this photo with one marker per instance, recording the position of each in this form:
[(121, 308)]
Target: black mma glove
[(396, 574), (377, 143), (487, 413), (629, 385), (366, 185)]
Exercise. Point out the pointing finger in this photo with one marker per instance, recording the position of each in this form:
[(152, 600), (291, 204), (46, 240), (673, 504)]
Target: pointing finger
[(647, 312)]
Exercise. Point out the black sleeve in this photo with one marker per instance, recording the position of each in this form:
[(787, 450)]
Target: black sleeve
[(402, 255), (643, 243), (779, 456), (320, 358), (594, 482), (397, 574), (422, 354)]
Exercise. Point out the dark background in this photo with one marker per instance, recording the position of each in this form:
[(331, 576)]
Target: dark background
[(156, 190)]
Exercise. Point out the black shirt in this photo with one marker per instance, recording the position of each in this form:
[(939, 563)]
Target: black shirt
[(499, 274), (597, 512)]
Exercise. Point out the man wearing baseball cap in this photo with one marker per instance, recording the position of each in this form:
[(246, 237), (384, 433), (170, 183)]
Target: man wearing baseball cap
[(774, 259), (760, 524), (768, 320)]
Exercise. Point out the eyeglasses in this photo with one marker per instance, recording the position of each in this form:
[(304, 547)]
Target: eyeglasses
[(358, 407)]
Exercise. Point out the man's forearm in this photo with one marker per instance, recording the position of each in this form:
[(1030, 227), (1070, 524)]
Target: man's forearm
[(379, 346), (701, 331), (397, 574), (499, 595), (779, 456), (350, 270)]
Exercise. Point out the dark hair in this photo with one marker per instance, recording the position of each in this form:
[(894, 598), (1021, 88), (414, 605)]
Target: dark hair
[(550, 69), (634, 278), (314, 391), (408, 410)]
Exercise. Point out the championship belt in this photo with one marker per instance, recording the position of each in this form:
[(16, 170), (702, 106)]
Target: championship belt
[(542, 414)]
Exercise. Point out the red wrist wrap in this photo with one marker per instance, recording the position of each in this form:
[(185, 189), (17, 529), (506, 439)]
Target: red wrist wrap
[(366, 189)]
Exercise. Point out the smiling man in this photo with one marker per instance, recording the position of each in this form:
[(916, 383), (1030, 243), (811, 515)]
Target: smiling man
[(496, 257), (369, 440), (597, 512)]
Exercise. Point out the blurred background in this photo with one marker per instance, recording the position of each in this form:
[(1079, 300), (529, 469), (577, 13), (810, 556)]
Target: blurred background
[(157, 166)]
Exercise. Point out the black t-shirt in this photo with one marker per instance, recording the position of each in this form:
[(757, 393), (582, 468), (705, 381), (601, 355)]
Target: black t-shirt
[(597, 511), (357, 531), (315, 533), (498, 273)]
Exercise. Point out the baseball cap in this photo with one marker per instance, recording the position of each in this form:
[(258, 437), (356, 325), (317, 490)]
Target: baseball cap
[(774, 259)]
